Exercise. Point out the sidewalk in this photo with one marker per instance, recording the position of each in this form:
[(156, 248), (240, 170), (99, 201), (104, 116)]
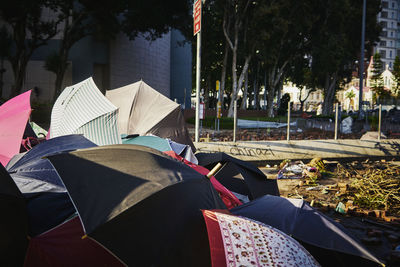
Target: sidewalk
[(265, 152)]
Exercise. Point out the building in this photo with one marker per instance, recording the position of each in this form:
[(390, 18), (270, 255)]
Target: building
[(164, 64), (389, 45)]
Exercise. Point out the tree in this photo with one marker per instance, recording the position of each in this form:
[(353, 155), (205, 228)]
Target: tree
[(377, 84), (81, 18), (350, 95), (30, 29), (336, 43), (396, 76), (5, 50)]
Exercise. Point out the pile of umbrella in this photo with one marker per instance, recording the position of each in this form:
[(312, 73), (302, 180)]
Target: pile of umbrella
[(117, 182)]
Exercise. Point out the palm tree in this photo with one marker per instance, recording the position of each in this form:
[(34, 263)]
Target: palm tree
[(350, 95)]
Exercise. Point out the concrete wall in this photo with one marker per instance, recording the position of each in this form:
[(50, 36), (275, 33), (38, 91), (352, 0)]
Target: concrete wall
[(181, 69), (131, 61)]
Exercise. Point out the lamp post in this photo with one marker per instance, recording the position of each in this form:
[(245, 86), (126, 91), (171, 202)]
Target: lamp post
[(361, 70), (197, 30)]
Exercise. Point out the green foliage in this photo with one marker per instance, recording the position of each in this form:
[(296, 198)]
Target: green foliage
[(350, 95), (54, 62), (377, 84), (396, 76)]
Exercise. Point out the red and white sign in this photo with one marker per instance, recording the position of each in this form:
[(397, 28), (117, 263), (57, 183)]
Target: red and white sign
[(197, 17)]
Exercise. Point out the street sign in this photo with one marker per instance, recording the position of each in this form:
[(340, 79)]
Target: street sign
[(219, 110), (196, 17), (202, 111), (217, 85)]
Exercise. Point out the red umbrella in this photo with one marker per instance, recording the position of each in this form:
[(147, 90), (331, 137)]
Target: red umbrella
[(14, 115)]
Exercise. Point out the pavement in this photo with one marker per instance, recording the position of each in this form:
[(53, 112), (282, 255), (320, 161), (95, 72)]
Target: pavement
[(271, 152)]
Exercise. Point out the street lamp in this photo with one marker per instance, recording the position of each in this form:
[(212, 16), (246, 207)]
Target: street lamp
[(361, 70)]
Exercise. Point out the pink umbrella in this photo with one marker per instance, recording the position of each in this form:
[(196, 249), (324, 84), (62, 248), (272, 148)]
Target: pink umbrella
[(14, 115)]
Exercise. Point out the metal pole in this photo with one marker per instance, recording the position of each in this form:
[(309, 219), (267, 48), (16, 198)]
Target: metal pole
[(288, 122), (198, 65), (361, 70), (336, 120), (379, 121), (234, 120)]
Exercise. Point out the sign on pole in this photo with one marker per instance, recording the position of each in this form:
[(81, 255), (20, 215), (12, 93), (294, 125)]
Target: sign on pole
[(196, 17)]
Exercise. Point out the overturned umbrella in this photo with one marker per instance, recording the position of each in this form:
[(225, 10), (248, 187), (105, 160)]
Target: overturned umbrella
[(239, 176), (140, 204)]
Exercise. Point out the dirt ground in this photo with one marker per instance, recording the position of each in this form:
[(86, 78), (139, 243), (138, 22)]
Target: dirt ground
[(363, 196)]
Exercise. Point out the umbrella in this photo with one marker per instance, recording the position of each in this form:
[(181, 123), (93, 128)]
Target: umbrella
[(163, 145), (83, 109), (239, 176), (64, 246), (139, 203), (48, 202), (329, 242), (13, 223), (239, 241), (143, 111), (14, 115)]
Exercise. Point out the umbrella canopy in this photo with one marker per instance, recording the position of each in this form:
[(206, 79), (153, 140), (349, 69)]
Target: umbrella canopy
[(48, 202), (13, 222), (64, 246), (329, 242), (143, 111), (163, 145), (239, 176), (14, 115), (139, 203), (239, 241), (83, 109)]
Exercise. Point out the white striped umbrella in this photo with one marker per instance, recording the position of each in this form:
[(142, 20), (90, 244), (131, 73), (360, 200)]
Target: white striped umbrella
[(83, 109)]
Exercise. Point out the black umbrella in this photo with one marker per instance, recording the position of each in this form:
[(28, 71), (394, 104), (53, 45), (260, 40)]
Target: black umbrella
[(329, 242), (13, 222), (140, 204), (48, 203), (239, 176)]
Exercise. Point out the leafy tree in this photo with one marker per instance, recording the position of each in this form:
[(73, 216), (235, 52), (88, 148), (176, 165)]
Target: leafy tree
[(81, 18), (396, 76), (377, 84), (30, 29), (5, 50), (350, 95), (336, 43)]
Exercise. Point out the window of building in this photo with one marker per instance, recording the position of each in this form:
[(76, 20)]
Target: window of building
[(391, 34), (384, 33), (383, 53), (384, 14), (392, 23), (393, 15), (385, 4), (390, 54), (383, 24), (393, 5), (390, 66), (382, 43), (391, 43)]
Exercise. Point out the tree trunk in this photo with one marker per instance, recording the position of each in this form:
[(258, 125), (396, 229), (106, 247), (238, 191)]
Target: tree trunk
[(244, 100), (238, 84), (223, 75), (329, 94)]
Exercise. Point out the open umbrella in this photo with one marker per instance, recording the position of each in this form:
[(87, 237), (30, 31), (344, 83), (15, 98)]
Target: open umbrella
[(83, 109), (47, 199), (14, 115), (329, 242), (143, 111), (13, 222), (239, 241), (64, 246), (239, 176), (162, 144), (140, 204)]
